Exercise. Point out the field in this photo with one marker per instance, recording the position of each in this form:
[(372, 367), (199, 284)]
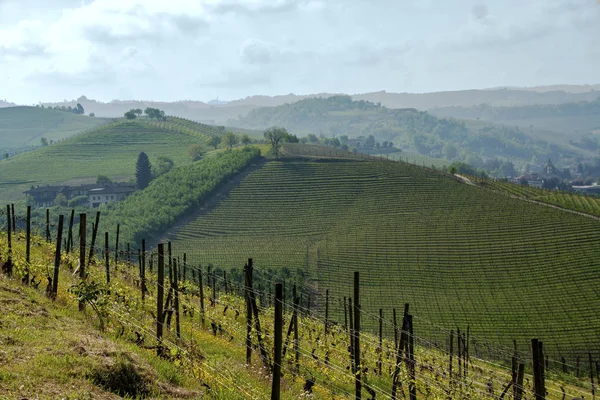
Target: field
[(25, 126), (111, 150), (461, 255)]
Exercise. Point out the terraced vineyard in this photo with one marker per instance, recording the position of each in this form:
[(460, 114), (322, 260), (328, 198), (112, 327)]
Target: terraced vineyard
[(459, 254), (110, 150), (571, 201)]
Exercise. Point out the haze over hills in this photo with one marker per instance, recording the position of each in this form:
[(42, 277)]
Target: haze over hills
[(220, 113)]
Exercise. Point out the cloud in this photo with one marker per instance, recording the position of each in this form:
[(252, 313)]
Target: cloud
[(258, 52), (250, 7)]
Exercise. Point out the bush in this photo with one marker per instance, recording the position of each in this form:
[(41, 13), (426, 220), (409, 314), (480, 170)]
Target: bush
[(78, 201)]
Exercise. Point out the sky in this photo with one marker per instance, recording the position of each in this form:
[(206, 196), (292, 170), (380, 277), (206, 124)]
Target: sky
[(55, 50)]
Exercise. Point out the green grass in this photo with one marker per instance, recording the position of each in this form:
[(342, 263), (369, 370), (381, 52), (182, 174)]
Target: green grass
[(459, 254), (111, 150), (25, 126)]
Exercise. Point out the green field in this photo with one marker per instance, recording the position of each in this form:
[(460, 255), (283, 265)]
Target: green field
[(111, 150), (25, 126), (459, 254)]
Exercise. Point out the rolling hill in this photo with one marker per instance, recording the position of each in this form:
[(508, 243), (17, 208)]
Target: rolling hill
[(461, 255), (110, 150), (413, 130), (25, 126)]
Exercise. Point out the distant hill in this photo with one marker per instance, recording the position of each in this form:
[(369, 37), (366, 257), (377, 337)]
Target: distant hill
[(25, 126), (566, 124), (410, 130), (220, 113), (110, 150)]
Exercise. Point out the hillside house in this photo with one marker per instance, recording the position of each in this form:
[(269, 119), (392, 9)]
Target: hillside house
[(108, 194), (45, 196), (588, 189), (533, 180)]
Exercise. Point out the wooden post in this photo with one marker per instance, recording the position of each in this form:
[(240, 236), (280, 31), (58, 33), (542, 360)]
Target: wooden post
[(7, 267), (402, 345), (70, 233), (143, 270), (308, 304), (225, 281), (201, 286), (247, 274), (519, 383), (57, 256), (176, 289), (538, 369), (459, 352), (94, 233), (277, 342), (395, 330), (351, 335), (14, 217), (380, 348), (214, 288), (592, 376), (128, 255), (48, 238), (345, 315), (117, 246), (466, 352), (82, 239), (106, 260), (451, 354), (358, 381), (160, 297), (296, 339), (326, 314), (412, 387), (27, 245), (184, 267)]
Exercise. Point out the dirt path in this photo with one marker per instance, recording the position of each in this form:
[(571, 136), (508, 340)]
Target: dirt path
[(556, 207)]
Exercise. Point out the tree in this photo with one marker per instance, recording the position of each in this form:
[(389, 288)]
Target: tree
[(370, 143), (130, 114), (195, 152), (92, 114), (61, 200), (312, 138), (138, 111), (275, 136), (214, 141), (230, 140), (103, 180), (162, 165), (79, 110), (143, 171), (44, 141), (155, 113), (245, 140)]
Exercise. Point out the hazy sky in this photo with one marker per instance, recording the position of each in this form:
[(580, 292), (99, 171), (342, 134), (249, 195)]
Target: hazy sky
[(52, 50)]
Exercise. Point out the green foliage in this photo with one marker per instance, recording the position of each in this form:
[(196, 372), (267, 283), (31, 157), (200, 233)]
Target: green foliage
[(162, 165), (103, 180), (44, 142), (214, 141), (78, 201), (275, 136), (130, 115), (230, 139), (60, 200), (245, 139), (143, 171), (155, 113), (94, 294), (195, 152), (149, 212)]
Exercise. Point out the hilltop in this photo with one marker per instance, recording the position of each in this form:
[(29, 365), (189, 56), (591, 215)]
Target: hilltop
[(25, 126)]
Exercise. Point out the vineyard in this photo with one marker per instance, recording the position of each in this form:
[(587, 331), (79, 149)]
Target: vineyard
[(205, 346), (570, 201), (110, 150), (461, 255)]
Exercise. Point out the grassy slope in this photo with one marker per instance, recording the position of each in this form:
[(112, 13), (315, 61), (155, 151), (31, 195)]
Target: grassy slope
[(110, 150), (51, 349), (21, 126), (460, 254)]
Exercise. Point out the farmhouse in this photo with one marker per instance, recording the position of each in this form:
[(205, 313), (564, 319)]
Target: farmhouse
[(45, 196), (588, 189)]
